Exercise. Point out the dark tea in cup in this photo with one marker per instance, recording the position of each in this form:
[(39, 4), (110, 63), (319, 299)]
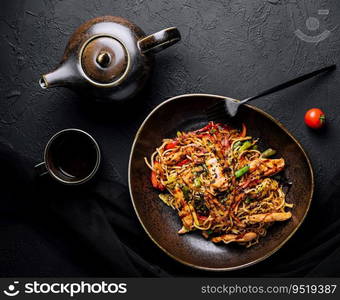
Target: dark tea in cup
[(71, 156)]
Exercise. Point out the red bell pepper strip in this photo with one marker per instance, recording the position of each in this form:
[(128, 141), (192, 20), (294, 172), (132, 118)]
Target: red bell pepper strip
[(183, 162), (201, 218), (154, 181), (207, 127), (204, 135), (244, 130), (171, 145)]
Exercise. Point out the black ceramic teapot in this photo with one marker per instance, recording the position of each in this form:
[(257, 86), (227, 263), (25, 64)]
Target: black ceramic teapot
[(109, 58)]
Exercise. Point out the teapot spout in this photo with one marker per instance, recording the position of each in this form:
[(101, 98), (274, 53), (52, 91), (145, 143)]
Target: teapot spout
[(58, 77)]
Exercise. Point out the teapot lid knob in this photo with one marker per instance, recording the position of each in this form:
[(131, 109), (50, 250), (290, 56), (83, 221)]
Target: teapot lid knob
[(104, 59)]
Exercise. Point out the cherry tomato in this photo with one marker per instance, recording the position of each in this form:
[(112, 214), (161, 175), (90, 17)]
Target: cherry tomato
[(315, 118)]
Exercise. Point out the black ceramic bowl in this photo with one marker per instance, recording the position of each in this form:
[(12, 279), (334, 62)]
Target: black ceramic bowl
[(161, 223)]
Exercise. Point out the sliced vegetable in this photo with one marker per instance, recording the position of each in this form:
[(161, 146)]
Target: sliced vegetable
[(241, 171), (166, 198), (204, 135), (155, 183), (269, 152), (202, 218), (154, 179), (186, 192), (245, 146), (238, 143), (171, 145), (179, 133), (244, 130), (197, 182), (171, 179), (207, 127), (248, 200), (183, 162), (213, 130)]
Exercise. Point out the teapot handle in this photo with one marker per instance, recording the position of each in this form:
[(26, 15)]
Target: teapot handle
[(159, 40)]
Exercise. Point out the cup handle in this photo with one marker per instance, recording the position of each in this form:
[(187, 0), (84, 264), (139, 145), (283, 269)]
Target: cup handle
[(41, 169), (159, 40)]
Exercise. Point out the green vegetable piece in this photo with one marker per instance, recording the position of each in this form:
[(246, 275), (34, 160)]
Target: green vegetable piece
[(245, 146), (165, 198), (179, 133), (213, 130), (269, 152), (197, 182), (171, 179), (186, 191), (241, 171), (248, 200), (238, 143), (255, 147)]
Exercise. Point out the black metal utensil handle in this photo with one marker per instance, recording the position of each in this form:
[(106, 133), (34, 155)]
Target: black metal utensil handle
[(289, 83)]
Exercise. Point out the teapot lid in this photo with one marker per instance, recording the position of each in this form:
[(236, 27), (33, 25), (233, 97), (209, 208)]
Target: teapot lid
[(104, 59)]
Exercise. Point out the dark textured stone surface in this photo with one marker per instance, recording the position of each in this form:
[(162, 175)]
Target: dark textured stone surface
[(232, 48)]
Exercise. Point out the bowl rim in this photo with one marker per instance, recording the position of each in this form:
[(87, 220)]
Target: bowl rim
[(267, 115)]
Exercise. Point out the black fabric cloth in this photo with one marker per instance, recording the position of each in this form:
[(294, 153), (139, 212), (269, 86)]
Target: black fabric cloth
[(48, 229)]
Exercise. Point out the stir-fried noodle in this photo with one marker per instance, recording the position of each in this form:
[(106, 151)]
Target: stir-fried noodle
[(220, 183)]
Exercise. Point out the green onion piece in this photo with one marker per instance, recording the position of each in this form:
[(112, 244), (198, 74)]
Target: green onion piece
[(186, 191), (197, 182), (238, 143), (245, 146), (179, 133), (248, 200), (209, 231), (241, 171), (165, 198), (255, 147), (224, 200), (171, 179), (269, 152)]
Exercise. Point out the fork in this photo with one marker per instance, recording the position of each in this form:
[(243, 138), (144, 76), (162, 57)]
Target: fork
[(229, 107)]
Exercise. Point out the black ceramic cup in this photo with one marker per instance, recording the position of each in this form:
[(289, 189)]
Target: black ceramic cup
[(71, 156)]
